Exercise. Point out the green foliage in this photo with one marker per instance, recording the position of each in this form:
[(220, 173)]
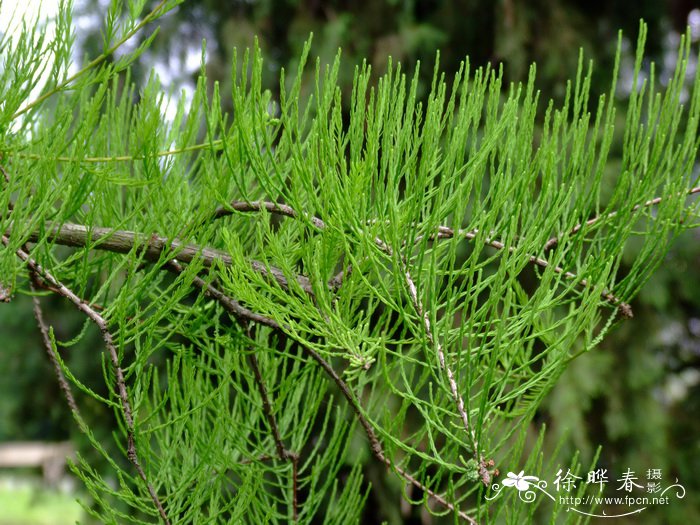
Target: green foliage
[(286, 292)]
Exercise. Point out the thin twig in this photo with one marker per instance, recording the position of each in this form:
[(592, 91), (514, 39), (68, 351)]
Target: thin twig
[(46, 340), (232, 306), (267, 408), (554, 240), (272, 207), (119, 158), (282, 452), (459, 401), (263, 458), (295, 486), (279, 209), (101, 323)]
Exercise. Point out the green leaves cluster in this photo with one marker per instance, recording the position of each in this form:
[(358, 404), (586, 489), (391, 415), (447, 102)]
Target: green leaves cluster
[(400, 298)]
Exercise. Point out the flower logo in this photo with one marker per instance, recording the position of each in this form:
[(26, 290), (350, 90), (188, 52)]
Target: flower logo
[(520, 482), (524, 484)]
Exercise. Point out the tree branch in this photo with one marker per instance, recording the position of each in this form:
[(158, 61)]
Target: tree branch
[(456, 396), (101, 323), (283, 209), (272, 207), (443, 232), (240, 312)]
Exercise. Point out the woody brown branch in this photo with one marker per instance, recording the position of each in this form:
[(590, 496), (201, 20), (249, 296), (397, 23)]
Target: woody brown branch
[(151, 247)]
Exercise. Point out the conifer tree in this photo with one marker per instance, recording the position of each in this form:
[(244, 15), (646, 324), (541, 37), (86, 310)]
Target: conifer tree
[(285, 292)]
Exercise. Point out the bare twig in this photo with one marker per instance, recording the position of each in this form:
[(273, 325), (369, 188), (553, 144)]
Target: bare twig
[(279, 209), (272, 207), (294, 458), (283, 453), (101, 323), (443, 232), (231, 305), (264, 457), (554, 240), (459, 401)]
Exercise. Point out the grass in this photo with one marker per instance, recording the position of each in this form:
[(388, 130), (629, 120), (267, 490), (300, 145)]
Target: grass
[(25, 502)]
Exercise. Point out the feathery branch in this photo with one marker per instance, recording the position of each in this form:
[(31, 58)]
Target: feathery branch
[(243, 315), (101, 323), (375, 445)]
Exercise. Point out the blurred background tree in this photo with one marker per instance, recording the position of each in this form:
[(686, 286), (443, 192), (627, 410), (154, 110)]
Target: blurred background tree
[(635, 395)]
